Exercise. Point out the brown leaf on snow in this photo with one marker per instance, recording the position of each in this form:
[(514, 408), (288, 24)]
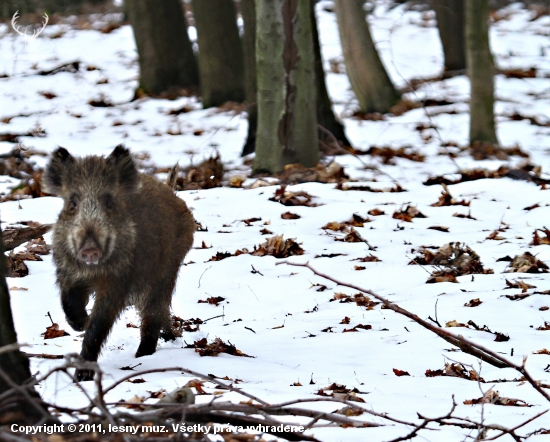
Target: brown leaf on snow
[(440, 228), (359, 299), (53, 332), (534, 206), (544, 327), (456, 258), (355, 221), (346, 320), (134, 403), (364, 188), (368, 258), (526, 171), (359, 267), (376, 212), (288, 198), (206, 175), (537, 240), (352, 236), (473, 302), (358, 326), (544, 351), (214, 300), (442, 276), (446, 199), (454, 323), (519, 285), (203, 348), (462, 215), (341, 392), (456, 370), (387, 154), (296, 173), (407, 214), (493, 397), (278, 247), (398, 372), (180, 325), (264, 231), (289, 215), (249, 221), (526, 263), (16, 268)]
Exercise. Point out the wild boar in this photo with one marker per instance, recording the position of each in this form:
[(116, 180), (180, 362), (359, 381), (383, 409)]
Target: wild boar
[(122, 236)]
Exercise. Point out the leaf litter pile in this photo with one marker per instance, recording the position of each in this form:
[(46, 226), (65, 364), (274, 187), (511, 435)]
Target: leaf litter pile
[(405, 192)]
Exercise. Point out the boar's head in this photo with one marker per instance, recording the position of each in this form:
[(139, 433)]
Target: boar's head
[(97, 191)]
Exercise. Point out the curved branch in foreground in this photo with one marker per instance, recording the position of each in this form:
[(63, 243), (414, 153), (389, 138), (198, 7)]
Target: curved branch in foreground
[(464, 344)]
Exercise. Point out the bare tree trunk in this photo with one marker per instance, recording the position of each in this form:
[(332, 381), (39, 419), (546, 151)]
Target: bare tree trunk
[(15, 407), (481, 70), (248, 11), (325, 115), (166, 58), (450, 23), (221, 64), (369, 80), (287, 117)]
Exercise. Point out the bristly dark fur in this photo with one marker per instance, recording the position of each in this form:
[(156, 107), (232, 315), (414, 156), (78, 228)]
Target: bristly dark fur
[(138, 232)]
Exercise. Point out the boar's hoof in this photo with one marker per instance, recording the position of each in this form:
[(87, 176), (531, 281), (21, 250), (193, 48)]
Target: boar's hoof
[(84, 375), (89, 256), (145, 349)]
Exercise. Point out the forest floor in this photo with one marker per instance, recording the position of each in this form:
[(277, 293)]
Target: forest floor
[(309, 337)]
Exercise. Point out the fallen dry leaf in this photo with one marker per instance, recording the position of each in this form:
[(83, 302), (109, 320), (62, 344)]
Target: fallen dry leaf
[(288, 198), (53, 331), (400, 372), (408, 213), (203, 348)]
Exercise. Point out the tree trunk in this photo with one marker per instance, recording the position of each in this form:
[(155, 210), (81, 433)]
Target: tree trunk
[(450, 23), (325, 115), (221, 63), (369, 80), (166, 58), (248, 11), (15, 407), (287, 117), (481, 70)]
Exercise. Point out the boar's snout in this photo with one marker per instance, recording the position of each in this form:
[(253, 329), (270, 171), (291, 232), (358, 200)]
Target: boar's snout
[(89, 253)]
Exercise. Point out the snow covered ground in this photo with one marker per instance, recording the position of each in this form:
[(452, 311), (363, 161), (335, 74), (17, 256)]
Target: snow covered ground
[(279, 314)]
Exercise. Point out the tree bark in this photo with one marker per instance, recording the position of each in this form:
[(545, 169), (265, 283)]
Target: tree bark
[(481, 70), (221, 63), (325, 115), (166, 58), (287, 117), (15, 408), (248, 11), (450, 23), (369, 80)]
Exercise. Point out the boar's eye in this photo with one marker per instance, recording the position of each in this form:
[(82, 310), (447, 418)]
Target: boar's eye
[(108, 202), (73, 203)]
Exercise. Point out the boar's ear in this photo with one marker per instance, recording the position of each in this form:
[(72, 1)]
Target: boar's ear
[(124, 167), (52, 180)]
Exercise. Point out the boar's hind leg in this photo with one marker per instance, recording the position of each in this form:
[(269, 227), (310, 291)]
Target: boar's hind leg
[(155, 315), (74, 300), (105, 312)]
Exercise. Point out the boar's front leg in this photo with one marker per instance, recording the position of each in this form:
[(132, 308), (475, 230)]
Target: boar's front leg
[(105, 312), (74, 299), (154, 308)]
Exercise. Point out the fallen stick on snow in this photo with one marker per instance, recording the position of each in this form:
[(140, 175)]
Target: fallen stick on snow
[(461, 342)]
